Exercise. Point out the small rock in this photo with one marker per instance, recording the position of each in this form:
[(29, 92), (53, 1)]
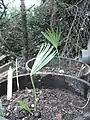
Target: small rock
[(32, 105), (26, 118), (70, 112), (9, 107), (39, 80), (37, 114), (7, 114), (61, 71), (82, 28), (40, 92), (28, 90), (37, 99)]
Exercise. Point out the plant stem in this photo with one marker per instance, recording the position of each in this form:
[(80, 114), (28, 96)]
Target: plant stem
[(58, 57), (34, 92)]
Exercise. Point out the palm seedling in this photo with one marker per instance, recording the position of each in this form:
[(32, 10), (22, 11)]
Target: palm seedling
[(45, 54), (53, 37)]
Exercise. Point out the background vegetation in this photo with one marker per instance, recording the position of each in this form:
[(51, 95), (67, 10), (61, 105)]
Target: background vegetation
[(72, 17)]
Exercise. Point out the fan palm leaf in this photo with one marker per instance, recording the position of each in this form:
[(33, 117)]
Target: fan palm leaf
[(46, 53), (52, 36)]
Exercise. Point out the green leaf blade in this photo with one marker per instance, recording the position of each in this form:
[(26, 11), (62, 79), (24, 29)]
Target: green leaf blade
[(23, 105), (47, 53), (52, 36)]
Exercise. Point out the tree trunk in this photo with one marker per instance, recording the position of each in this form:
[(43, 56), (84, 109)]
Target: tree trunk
[(25, 35), (24, 28)]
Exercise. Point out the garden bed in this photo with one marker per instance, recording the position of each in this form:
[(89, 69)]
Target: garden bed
[(69, 67), (60, 92), (55, 99)]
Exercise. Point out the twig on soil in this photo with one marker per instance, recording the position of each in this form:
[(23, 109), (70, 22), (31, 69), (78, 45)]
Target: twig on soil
[(88, 96), (82, 67)]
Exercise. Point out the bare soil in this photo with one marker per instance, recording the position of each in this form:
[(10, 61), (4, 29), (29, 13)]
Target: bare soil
[(52, 103)]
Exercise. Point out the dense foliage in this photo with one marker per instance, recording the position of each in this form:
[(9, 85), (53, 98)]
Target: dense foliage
[(70, 16)]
